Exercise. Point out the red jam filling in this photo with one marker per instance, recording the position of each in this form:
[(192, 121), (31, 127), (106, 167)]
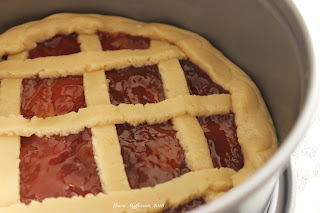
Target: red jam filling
[(48, 97), (120, 41), (58, 45), (151, 153), (57, 166), (135, 85), (199, 83), (186, 206), (220, 131), (3, 58)]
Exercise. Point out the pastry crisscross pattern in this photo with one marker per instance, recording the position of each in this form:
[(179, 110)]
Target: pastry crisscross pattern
[(101, 116)]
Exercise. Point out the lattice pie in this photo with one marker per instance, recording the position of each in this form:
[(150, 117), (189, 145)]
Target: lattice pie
[(107, 114)]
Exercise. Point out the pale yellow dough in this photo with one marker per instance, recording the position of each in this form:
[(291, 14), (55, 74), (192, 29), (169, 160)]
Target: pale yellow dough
[(255, 130)]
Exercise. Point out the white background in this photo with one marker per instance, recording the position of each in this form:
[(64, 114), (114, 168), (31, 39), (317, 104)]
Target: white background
[(306, 158)]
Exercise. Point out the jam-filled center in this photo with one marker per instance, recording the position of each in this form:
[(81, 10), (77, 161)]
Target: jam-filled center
[(57, 166), (58, 45), (135, 85), (220, 131), (49, 97), (151, 153), (118, 41)]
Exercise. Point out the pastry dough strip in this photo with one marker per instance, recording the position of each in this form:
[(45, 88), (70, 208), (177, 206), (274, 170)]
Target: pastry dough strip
[(182, 189), (189, 131), (10, 101), (106, 147), (90, 116), (89, 61)]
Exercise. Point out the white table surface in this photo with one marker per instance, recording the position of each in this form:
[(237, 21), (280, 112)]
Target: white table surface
[(306, 158)]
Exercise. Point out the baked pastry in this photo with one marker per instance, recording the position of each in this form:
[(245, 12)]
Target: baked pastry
[(102, 113)]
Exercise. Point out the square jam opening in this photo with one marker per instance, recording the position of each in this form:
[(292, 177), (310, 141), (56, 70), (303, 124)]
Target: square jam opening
[(221, 134), (151, 153), (47, 97), (135, 85), (199, 82), (118, 41), (58, 45), (57, 166), (4, 58)]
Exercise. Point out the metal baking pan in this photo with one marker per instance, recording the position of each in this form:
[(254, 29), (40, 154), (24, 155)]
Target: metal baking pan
[(267, 39), (283, 196)]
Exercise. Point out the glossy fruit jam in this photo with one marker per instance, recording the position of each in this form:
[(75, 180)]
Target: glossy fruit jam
[(186, 206), (47, 97), (3, 58), (219, 130), (57, 166), (151, 153), (118, 41), (135, 85), (58, 45), (199, 83)]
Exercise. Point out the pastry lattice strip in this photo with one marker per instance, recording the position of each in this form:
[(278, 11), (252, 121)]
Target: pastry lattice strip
[(104, 138), (88, 61), (189, 131), (105, 114), (10, 145)]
